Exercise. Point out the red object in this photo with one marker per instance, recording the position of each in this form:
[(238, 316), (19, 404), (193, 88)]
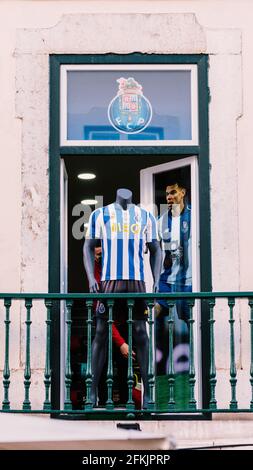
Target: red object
[(137, 398), (97, 271), (116, 336)]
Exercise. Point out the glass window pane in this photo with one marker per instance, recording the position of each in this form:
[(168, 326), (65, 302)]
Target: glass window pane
[(129, 105)]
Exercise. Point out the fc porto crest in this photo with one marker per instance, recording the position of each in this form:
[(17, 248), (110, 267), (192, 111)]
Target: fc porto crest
[(130, 112), (100, 308)]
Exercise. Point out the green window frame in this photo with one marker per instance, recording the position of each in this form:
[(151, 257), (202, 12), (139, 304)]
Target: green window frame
[(56, 151)]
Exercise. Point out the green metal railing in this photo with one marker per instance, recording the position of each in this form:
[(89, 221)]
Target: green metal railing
[(205, 302)]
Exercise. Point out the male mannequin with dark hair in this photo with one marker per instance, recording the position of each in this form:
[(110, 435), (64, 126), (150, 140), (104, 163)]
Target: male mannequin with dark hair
[(124, 229)]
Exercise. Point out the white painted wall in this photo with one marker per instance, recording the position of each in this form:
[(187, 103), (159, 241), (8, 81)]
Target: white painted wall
[(29, 30)]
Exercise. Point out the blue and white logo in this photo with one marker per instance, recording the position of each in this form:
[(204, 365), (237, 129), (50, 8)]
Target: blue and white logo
[(100, 308), (130, 112)]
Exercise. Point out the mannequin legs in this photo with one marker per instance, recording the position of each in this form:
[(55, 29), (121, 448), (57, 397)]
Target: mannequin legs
[(98, 356), (142, 343)]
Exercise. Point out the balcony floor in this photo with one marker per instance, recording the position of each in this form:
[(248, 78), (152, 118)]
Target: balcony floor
[(233, 431)]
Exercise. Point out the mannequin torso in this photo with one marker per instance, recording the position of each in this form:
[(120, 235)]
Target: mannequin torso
[(124, 229)]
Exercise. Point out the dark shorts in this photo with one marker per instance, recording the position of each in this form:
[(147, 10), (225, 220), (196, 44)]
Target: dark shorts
[(120, 309), (182, 307)]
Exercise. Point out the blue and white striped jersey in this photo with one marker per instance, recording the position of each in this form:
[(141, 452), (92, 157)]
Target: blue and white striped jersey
[(124, 234), (175, 234)]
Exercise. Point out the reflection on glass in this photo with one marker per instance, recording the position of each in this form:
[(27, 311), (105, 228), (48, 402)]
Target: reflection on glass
[(89, 94), (173, 197)]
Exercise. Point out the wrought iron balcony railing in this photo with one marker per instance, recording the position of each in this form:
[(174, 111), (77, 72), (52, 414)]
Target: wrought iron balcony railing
[(206, 302)]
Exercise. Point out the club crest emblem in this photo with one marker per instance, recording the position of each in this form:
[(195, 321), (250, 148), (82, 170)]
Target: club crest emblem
[(130, 112), (101, 308)]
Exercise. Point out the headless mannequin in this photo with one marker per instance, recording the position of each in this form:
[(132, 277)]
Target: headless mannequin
[(99, 345)]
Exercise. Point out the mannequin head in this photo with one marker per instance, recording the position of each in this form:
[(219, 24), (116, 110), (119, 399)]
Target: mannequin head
[(124, 197)]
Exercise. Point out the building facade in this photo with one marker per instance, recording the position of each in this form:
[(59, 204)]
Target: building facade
[(45, 146)]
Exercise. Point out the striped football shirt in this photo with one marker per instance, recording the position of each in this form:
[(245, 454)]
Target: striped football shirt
[(175, 235), (124, 234)]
